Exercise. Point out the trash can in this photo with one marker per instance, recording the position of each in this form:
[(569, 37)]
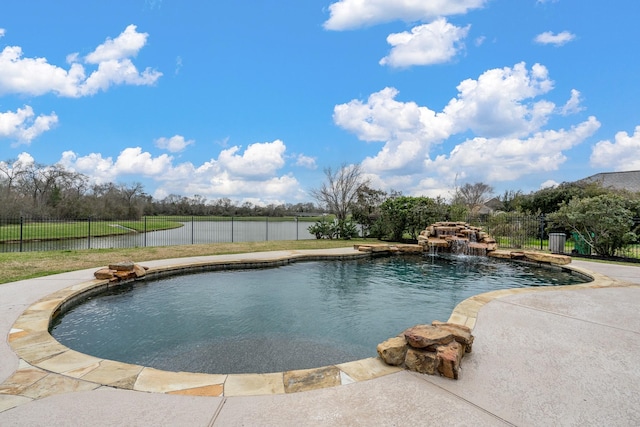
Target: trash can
[(556, 242)]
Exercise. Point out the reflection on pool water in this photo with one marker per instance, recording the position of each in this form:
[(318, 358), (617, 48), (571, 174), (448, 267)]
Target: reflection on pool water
[(298, 316)]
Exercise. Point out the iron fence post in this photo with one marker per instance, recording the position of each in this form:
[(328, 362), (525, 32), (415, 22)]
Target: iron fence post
[(89, 233), (145, 231), (21, 225), (297, 231), (542, 223), (231, 229), (192, 225), (267, 226)]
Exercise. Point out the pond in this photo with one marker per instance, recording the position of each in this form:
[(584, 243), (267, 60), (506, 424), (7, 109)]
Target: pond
[(302, 315)]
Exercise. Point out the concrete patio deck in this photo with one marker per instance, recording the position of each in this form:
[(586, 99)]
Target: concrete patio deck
[(550, 357)]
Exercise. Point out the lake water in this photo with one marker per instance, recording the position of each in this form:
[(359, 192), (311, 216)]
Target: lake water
[(194, 232)]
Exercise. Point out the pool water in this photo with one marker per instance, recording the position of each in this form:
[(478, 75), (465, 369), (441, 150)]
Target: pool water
[(302, 315)]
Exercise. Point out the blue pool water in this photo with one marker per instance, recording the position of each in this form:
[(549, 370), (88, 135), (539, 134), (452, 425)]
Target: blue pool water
[(302, 315)]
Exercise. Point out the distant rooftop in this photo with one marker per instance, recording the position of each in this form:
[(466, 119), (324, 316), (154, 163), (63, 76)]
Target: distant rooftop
[(629, 180)]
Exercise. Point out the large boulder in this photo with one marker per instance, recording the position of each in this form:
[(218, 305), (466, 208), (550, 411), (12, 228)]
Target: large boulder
[(449, 358), (461, 333), (425, 362), (548, 258), (393, 351), (427, 337)]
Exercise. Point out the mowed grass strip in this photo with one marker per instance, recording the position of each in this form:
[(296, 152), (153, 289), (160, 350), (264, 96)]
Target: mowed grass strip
[(57, 230)]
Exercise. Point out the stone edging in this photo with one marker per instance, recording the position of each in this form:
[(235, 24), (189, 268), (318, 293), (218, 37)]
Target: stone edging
[(45, 360)]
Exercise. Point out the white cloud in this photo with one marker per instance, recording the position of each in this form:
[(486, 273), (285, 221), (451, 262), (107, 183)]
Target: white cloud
[(22, 126), (126, 45), (550, 183), (130, 161), (507, 159), (350, 14), (572, 105), (501, 110), (35, 76), (621, 155), (258, 160), (2, 32), (426, 44), (495, 104), (306, 161), (175, 144), (408, 129), (559, 39), (252, 173), (234, 173)]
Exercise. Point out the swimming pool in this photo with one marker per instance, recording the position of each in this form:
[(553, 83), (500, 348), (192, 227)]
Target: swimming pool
[(302, 315)]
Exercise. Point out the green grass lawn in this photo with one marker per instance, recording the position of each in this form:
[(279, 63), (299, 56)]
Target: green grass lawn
[(54, 230), (26, 265)]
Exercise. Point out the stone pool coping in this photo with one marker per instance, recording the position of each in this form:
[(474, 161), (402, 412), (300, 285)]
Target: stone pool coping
[(58, 369)]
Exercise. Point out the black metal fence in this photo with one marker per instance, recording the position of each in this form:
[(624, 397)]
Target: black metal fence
[(511, 231), (530, 232), (23, 235)]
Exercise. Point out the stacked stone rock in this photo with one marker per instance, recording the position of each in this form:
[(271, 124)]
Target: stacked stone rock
[(124, 270), (446, 234), (429, 349)]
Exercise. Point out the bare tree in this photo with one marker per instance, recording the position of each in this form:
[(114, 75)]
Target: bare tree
[(340, 190), (473, 195), (10, 172)]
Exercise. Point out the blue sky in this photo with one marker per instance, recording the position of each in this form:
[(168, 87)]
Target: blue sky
[(252, 100)]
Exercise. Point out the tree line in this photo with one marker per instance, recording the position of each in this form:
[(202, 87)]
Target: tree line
[(606, 219)]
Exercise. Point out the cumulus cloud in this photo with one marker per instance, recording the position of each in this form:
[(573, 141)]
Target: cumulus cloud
[(499, 102), (426, 44), (35, 76), (350, 14), (258, 160), (22, 126), (253, 172), (501, 110), (306, 161), (512, 158), (126, 45), (2, 32), (621, 155), (175, 144), (408, 129), (573, 105), (130, 161), (559, 39), (550, 183)]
